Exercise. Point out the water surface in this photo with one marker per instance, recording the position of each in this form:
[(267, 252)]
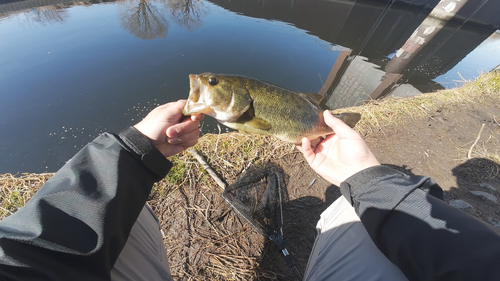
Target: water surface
[(72, 70)]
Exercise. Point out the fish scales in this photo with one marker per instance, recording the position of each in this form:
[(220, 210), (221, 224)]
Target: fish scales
[(255, 106), (289, 113)]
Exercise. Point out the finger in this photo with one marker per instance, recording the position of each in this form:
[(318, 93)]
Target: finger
[(184, 141), (185, 138), (191, 142), (177, 148), (306, 148), (197, 117), (172, 106), (180, 104), (185, 126), (188, 142), (177, 107), (340, 128), (171, 112)]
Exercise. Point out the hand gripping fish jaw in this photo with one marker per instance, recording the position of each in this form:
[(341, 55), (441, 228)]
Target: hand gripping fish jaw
[(216, 97)]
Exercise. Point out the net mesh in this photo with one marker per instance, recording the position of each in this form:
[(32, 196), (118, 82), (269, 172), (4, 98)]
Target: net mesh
[(256, 195)]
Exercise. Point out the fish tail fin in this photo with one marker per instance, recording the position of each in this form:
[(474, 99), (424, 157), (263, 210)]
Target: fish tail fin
[(350, 118)]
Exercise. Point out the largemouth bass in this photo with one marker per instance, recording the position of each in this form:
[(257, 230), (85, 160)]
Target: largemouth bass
[(255, 106)]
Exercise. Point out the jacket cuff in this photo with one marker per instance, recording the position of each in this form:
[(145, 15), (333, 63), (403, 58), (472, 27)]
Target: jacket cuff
[(139, 145), (353, 182)]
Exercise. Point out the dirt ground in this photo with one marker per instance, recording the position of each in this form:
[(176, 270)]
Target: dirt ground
[(207, 241)]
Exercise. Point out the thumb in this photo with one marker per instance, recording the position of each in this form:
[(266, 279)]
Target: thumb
[(341, 129), (171, 112)]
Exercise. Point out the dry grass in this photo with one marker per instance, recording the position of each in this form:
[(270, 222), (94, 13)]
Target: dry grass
[(392, 111), (16, 190), (217, 246), (228, 154), (233, 153)]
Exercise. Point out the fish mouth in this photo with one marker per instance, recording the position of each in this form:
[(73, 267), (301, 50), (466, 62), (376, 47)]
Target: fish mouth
[(196, 103)]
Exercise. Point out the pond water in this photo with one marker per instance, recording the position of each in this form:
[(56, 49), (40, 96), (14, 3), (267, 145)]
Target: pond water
[(70, 70)]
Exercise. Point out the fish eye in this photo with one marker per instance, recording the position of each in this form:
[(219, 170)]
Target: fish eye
[(213, 81)]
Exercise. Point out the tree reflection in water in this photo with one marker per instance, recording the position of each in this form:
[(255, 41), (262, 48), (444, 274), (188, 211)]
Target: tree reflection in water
[(39, 15), (186, 13), (44, 15), (144, 20)]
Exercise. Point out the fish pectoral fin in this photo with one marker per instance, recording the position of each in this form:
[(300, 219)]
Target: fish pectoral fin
[(258, 123), (350, 118)]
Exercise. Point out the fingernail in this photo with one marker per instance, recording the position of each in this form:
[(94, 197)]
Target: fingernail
[(174, 141)]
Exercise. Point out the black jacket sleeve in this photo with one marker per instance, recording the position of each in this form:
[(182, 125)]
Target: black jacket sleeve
[(76, 225), (410, 223)]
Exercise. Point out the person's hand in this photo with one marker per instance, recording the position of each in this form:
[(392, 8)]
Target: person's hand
[(169, 130), (339, 155)]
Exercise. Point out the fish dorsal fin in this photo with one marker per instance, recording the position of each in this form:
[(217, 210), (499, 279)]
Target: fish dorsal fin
[(314, 97), (272, 84), (258, 123)]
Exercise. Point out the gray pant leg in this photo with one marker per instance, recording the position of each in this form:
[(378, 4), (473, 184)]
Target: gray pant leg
[(343, 250), (144, 256)]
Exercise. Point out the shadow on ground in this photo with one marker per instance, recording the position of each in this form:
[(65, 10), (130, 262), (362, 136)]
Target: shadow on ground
[(300, 218), (302, 214)]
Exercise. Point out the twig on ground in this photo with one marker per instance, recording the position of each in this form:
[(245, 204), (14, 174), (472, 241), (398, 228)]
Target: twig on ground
[(207, 167), (496, 121), (218, 136), (475, 142), (421, 108)]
